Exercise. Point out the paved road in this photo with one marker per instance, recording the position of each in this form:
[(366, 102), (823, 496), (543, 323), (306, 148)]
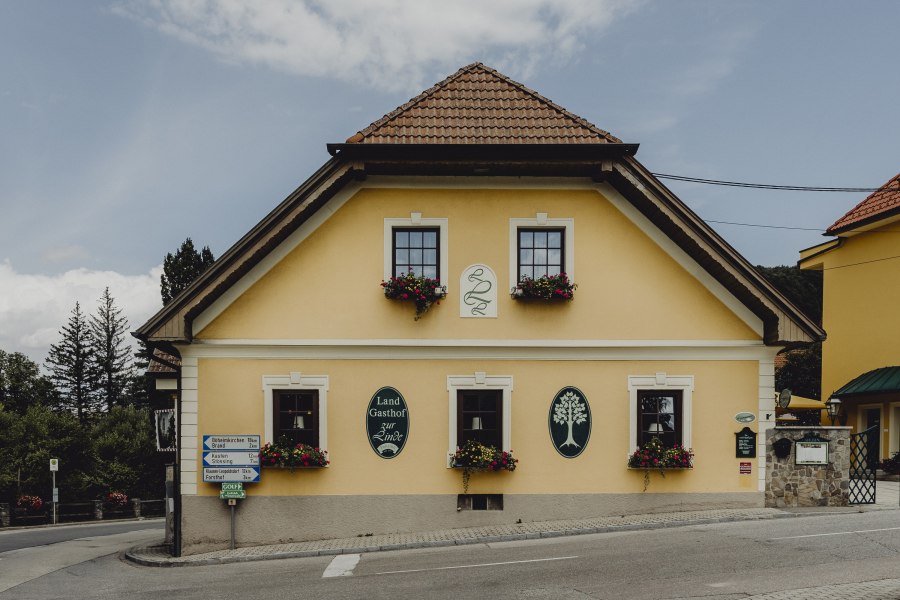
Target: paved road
[(35, 553), (846, 556), (14, 539)]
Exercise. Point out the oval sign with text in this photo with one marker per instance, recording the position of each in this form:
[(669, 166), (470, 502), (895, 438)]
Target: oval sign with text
[(745, 417), (570, 422), (387, 422)]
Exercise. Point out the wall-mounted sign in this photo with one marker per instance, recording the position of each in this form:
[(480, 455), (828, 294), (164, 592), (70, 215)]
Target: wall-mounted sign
[(570, 422), (387, 422), (478, 292), (811, 450), (166, 433), (745, 443), (745, 417), (230, 458), (745, 468)]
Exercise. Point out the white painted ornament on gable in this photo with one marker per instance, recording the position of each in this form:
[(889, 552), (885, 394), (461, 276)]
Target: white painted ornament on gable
[(478, 292)]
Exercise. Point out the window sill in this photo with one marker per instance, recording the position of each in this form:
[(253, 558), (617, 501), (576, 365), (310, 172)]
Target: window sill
[(648, 468), (295, 467), (518, 295)]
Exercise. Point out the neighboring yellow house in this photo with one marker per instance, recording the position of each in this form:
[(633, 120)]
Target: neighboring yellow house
[(861, 274), (479, 182)]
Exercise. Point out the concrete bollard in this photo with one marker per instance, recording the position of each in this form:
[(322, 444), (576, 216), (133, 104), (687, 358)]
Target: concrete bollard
[(136, 502), (4, 514), (98, 510)]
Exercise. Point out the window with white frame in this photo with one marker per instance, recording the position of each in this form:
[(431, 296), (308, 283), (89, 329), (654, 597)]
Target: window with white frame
[(541, 246), (295, 406), (416, 244), (479, 408), (660, 406)]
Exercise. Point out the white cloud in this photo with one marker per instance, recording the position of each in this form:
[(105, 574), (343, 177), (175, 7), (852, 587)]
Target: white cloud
[(33, 308), (391, 44)]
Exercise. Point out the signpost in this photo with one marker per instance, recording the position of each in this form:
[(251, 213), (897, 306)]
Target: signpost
[(231, 460), (54, 467)]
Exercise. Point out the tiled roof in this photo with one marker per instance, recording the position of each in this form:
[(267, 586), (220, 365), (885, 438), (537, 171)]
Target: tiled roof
[(885, 200), (158, 367), (478, 105)]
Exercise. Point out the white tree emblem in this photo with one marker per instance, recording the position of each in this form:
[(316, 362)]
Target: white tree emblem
[(570, 410)]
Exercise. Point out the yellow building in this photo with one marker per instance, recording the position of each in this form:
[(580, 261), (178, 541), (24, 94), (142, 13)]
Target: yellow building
[(490, 188), (860, 359)]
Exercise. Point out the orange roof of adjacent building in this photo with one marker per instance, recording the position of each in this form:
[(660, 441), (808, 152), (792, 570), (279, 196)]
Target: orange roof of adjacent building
[(881, 203), (478, 105)]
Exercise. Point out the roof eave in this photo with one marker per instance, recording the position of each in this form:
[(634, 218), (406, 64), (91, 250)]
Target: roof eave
[(469, 152)]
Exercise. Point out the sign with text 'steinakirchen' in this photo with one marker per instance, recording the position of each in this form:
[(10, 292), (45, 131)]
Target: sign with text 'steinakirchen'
[(387, 422), (570, 422), (230, 458)]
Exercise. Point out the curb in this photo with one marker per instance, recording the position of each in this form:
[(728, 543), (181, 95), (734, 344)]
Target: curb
[(134, 554)]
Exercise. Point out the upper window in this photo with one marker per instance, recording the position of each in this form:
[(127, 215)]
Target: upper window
[(416, 250), (479, 417), (659, 416), (296, 416), (541, 252)]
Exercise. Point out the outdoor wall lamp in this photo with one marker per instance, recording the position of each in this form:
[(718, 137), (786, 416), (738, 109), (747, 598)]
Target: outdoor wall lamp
[(834, 408)]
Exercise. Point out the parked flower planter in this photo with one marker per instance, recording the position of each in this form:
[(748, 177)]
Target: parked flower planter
[(545, 288), (422, 291), (476, 457)]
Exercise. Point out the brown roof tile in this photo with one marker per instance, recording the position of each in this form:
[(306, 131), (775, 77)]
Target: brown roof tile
[(882, 201), (156, 366), (478, 105)]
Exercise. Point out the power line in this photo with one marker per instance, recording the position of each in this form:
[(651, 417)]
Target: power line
[(765, 186), (767, 226)]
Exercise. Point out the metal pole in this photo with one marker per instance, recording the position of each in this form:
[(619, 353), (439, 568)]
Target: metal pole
[(54, 497), (232, 503)]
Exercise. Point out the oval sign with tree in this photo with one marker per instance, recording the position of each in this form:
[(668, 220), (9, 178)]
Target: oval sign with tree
[(570, 422)]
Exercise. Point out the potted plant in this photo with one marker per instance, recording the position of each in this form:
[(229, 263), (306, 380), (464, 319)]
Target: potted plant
[(422, 291), (285, 455), (475, 456), (654, 456), (545, 287)]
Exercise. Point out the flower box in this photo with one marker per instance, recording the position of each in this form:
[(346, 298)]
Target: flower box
[(475, 457), (422, 291), (654, 456), (545, 288), (285, 455)]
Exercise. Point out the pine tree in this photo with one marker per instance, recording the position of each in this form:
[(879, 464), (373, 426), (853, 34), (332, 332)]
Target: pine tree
[(70, 368), (111, 358), (182, 268)]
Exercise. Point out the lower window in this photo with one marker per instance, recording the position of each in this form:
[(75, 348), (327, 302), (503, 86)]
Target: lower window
[(480, 417), (296, 416), (660, 416)]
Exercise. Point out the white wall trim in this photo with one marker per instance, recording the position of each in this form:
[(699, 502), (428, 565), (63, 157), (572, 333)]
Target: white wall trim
[(295, 381), (682, 258), (187, 426), (478, 381), (660, 381), (766, 416), (541, 220), (416, 220)]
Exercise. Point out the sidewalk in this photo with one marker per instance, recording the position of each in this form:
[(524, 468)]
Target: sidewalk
[(157, 555)]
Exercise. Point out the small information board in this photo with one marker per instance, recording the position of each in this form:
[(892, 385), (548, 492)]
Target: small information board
[(811, 453), (746, 468), (231, 442), (230, 474), (231, 458), (745, 443)]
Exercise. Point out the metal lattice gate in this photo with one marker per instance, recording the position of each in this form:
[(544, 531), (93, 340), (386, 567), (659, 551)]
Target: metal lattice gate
[(863, 465)]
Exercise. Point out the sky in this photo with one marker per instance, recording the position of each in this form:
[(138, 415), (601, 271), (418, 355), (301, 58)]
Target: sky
[(127, 126)]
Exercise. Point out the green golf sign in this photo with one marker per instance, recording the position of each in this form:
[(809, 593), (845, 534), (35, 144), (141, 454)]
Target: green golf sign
[(232, 491)]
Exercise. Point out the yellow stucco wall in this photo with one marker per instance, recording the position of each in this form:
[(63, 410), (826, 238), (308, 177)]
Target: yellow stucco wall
[(230, 399), (329, 286), (861, 296)]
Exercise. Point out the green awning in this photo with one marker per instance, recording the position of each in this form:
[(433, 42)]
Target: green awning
[(879, 381)]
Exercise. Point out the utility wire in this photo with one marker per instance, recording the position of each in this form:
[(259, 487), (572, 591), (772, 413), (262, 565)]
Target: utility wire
[(764, 186)]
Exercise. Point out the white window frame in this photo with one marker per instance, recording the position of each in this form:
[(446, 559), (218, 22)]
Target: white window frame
[(660, 381), (541, 220), (416, 220), (295, 381), (478, 381)]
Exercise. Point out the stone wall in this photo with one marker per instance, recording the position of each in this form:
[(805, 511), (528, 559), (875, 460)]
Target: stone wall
[(791, 485)]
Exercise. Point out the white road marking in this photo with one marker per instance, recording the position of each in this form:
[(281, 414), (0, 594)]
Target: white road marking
[(342, 565), (496, 564), (794, 537)]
